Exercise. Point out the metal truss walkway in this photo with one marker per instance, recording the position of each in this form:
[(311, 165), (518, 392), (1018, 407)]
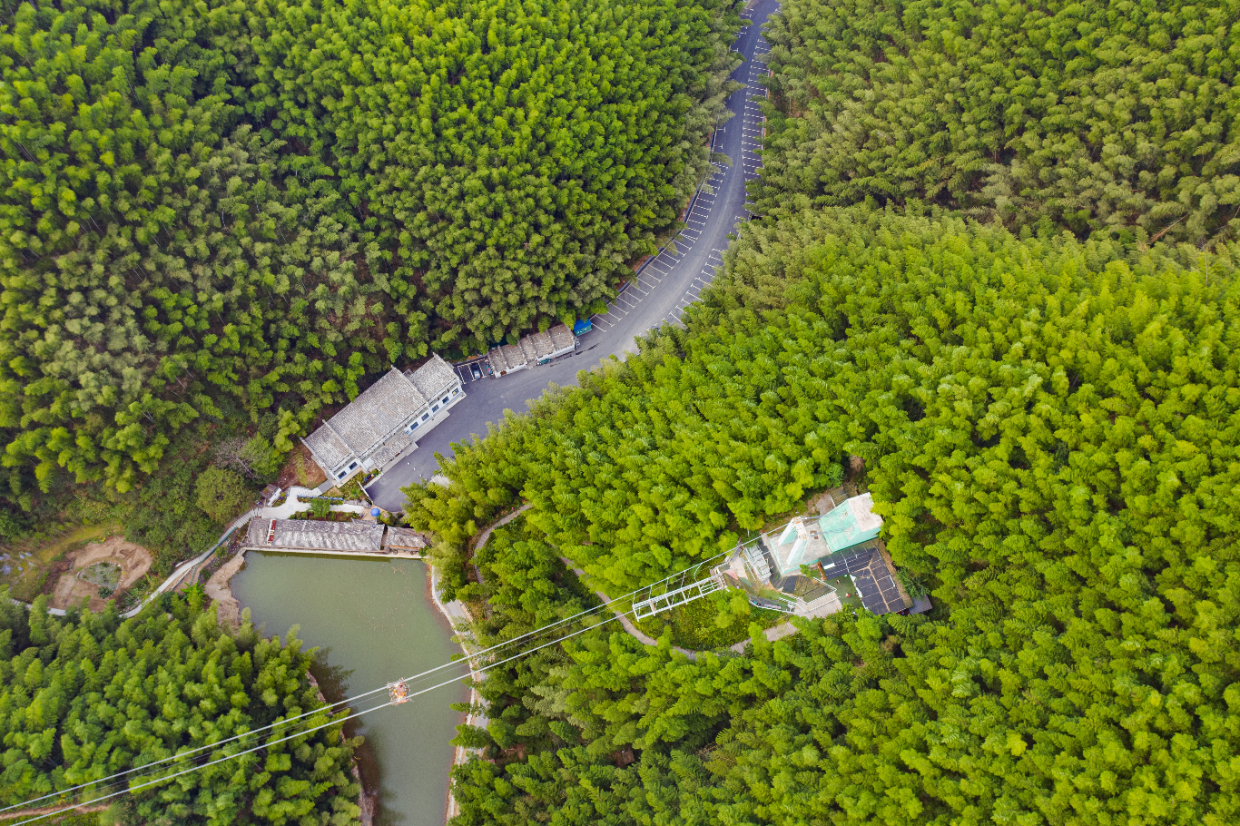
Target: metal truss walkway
[(647, 608)]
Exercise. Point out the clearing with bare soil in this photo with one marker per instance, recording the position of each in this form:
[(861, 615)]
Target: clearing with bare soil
[(300, 469), (133, 560), (227, 607), (27, 565)]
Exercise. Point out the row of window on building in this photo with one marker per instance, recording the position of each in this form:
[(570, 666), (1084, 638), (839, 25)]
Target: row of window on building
[(383, 423)]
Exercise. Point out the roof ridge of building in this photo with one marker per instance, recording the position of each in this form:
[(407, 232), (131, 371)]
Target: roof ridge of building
[(425, 403), (328, 424)]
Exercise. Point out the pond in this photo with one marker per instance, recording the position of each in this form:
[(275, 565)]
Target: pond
[(374, 622)]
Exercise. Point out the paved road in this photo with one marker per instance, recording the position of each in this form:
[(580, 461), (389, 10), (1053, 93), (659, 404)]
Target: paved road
[(665, 287)]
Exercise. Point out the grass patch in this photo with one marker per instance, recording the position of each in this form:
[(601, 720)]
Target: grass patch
[(353, 490), (300, 469), (137, 592), (846, 591), (103, 574), (334, 516), (25, 565)]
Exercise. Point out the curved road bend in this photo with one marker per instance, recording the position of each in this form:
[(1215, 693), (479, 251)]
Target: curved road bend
[(667, 284)]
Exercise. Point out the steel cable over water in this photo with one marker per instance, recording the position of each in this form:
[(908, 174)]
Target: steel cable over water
[(142, 771), (339, 720)]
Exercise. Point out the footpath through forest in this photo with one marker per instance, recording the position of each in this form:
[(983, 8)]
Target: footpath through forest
[(666, 285), (298, 499)]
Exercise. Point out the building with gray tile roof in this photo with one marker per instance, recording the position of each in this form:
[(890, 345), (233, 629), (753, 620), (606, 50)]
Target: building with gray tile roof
[(536, 348), (314, 535), (507, 358), (385, 421), (434, 379), (403, 539)]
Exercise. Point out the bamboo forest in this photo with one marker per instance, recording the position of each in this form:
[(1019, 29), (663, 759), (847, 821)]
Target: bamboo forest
[(983, 281)]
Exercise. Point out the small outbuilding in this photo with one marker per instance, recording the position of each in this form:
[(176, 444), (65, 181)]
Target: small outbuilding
[(536, 348), (403, 539), (814, 550)]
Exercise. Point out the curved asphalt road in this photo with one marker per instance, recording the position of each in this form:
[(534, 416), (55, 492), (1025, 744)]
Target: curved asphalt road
[(667, 284)]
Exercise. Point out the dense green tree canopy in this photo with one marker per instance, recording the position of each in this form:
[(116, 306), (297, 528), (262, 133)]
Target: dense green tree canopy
[(84, 697), (263, 202), (1113, 116), (222, 494), (1050, 429), (512, 157)]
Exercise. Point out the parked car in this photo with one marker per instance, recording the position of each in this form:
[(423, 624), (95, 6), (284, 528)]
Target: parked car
[(475, 370)]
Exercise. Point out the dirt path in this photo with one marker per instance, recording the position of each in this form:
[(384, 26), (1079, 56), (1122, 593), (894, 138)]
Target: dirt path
[(218, 591)]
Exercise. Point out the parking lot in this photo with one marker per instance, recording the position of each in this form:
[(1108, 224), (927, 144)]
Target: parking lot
[(659, 294)]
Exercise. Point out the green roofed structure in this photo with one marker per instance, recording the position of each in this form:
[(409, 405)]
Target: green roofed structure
[(808, 539), (793, 569), (850, 524)]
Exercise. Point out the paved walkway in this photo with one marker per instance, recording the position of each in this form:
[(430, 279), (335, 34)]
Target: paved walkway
[(298, 500), (457, 611), (624, 618), (486, 533)]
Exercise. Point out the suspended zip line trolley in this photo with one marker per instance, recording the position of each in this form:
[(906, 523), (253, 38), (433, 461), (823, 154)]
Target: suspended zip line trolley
[(399, 692)]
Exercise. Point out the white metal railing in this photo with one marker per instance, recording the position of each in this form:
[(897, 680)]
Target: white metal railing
[(646, 608), (757, 562)]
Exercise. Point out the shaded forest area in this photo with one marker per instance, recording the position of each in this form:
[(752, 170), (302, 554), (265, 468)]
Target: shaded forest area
[(1114, 117), (86, 696), (220, 211), (1050, 431)]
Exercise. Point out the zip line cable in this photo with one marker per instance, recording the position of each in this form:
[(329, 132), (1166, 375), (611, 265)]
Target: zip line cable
[(289, 720), (109, 780), (354, 715), (346, 701)]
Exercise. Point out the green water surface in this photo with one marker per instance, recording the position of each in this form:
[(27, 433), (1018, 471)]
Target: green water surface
[(374, 622)]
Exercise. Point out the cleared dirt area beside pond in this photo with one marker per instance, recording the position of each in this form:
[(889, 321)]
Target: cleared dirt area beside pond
[(27, 565), (133, 560), (217, 589)]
